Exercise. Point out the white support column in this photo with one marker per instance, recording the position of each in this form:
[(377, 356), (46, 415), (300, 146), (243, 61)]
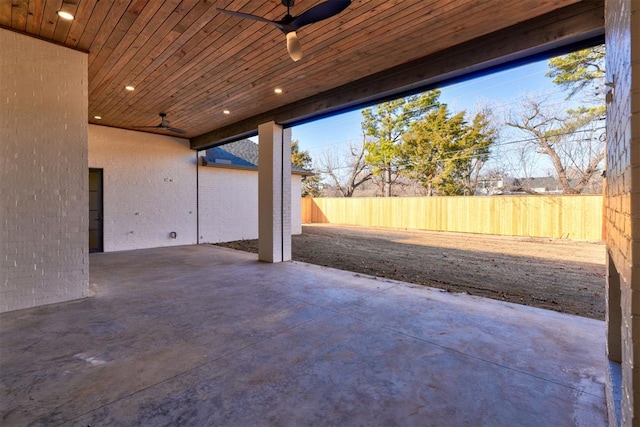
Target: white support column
[(274, 193)]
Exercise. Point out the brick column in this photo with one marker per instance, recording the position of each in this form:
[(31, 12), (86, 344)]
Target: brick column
[(274, 193), (622, 19)]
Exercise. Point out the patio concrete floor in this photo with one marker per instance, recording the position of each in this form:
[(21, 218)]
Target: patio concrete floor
[(204, 336)]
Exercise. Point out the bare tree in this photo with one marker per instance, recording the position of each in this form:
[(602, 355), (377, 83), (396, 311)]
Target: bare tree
[(516, 166), (573, 141), (346, 171)]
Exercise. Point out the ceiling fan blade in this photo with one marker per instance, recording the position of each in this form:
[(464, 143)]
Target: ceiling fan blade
[(320, 12), (164, 125), (293, 46), (250, 16), (176, 130)]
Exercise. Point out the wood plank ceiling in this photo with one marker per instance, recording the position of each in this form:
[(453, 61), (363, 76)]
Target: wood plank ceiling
[(192, 62)]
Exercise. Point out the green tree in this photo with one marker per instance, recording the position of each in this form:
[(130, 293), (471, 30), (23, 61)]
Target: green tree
[(473, 152), (445, 153), (302, 159), (385, 128), (578, 70)]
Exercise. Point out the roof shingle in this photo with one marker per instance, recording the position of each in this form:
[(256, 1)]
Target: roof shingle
[(244, 154)]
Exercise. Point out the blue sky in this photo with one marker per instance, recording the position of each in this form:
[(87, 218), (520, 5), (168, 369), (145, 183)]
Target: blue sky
[(501, 91)]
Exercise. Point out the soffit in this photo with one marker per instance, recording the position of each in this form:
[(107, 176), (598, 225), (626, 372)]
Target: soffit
[(188, 60)]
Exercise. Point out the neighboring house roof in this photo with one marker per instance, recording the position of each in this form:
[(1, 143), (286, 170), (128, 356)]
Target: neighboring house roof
[(540, 184), (241, 154), (543, 185), (510, 185)]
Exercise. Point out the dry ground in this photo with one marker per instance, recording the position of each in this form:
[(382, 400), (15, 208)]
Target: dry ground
[(554, 274)]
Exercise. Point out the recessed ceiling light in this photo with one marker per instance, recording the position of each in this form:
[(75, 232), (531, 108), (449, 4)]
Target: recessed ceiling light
[(129, 88), (226, 111), (65, 15), (278, 90), (97, 117)]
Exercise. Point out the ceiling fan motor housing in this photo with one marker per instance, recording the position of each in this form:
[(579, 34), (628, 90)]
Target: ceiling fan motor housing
[(289, 25)]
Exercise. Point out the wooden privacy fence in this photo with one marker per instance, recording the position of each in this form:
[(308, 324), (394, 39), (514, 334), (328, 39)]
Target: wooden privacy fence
[(569, 217)]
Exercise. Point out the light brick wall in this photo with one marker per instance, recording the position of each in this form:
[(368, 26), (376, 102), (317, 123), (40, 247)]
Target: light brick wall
[(229, 204), (623, 196), (285, 181), (150, 190), (43, 173), (296, 204), (149, 184)]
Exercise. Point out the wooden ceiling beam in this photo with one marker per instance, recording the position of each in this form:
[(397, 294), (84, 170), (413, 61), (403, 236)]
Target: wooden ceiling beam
[(566, 28)]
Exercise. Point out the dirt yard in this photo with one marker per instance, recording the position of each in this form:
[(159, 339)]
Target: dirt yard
[(553, 274)]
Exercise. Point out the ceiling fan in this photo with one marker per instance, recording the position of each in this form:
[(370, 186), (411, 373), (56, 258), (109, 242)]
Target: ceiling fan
[(290, 24), (164, 124)]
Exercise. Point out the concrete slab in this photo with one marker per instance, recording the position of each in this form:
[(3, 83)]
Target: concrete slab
[(202, 335)]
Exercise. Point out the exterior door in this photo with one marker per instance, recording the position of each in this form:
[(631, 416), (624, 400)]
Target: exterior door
[(95, 211)]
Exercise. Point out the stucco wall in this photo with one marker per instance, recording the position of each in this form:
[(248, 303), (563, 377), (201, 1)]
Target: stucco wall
[(623, 197), (43, 173)]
